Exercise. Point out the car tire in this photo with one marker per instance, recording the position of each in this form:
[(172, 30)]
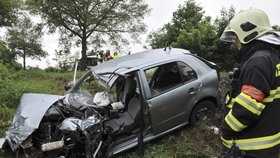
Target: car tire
[(202, 111)]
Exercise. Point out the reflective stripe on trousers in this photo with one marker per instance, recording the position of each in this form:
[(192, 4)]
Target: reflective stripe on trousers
[(254, 143), (231, 102)]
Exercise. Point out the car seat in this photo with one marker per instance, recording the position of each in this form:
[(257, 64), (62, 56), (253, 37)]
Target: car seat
[(167, 79), (128, 91), (125, 122)]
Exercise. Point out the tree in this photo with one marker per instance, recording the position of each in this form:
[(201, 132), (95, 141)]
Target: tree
[(276, 27), (188, 29), (198, 40), (224, 19), (185, 19), (24, 40), (187, 16), (192, 30), (224, 52), (63, 56), (95, 21), (5, 55), (8, 12), (158, 39)]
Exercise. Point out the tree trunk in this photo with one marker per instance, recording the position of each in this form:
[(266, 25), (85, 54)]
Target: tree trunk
[(24, 53), (84, 52)]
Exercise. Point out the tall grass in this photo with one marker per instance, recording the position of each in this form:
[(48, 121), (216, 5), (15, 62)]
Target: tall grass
[(14, 83), (187, 142)]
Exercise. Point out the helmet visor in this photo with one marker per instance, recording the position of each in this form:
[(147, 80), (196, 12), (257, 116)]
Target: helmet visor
[(228, 36)]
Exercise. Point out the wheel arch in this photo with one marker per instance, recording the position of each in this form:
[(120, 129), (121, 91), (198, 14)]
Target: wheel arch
[(209, 98)]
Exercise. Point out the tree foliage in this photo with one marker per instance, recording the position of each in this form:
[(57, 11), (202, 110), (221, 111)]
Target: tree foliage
[(64, 59), (188, 29), (24, 40), (3, 52), (192, 30), (97, 21), (276, 27), (6, 57), (8, 11), (224, 52)]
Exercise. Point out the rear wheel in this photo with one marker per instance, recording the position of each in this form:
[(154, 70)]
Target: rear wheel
[(202, 111)]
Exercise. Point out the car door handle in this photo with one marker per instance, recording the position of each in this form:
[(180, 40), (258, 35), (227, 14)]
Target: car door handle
[(192, 90)]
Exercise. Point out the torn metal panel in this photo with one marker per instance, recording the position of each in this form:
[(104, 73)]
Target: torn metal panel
[(29, 114), (2, 140), (32, 108)]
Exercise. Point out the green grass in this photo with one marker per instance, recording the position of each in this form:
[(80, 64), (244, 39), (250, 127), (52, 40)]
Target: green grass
[(187, 142), (31, 81)]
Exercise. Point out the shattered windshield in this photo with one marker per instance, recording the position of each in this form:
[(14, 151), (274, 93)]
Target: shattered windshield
[(96, 87)]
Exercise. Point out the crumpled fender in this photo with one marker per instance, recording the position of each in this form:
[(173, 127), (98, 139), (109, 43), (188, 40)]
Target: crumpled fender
[(29, 114)]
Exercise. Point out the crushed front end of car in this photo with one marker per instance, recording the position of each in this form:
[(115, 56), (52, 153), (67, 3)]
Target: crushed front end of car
[(70, 126), (51, 126)]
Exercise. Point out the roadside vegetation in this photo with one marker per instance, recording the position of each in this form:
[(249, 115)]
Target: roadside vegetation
[(188, 142), (14, 83)]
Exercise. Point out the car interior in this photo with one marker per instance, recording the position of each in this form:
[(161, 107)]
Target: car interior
[(126, 121), (165, 77)]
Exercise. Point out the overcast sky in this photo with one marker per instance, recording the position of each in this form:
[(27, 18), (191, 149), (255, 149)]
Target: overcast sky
[(162, 13)]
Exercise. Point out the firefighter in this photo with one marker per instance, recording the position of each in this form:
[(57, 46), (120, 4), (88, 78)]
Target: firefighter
[(107, 56), (116, 55), (251, 128), (100, 56)]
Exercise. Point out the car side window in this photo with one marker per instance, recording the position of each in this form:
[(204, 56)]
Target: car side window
[(186, 72), (163, 78)]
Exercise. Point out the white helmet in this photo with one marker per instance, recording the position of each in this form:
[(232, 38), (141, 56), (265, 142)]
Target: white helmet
[(247, 26)]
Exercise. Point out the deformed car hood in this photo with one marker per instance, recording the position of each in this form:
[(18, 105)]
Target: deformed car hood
[(29, 114)]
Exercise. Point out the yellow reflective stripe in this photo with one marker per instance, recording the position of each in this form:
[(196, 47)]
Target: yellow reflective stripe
[(227, 143), (250, 104), (231, 103), (254, 143), (274, 94), (234, 123)]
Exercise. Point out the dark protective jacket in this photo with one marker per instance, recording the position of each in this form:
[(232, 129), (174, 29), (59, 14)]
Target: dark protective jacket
[(253, 122)]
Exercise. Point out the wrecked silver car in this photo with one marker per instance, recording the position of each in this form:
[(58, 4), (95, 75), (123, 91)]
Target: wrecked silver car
[(146, 95)]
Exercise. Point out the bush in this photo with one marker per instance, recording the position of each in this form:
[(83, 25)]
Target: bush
[(5, 98), (17, 66), (6, 117), (5, 76), (52, 69)]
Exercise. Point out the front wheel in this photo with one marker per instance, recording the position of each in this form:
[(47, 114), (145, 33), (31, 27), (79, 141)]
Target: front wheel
[(202, 111)]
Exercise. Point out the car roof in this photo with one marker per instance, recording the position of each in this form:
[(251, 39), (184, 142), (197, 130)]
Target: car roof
[(138, 60), (109, 71)]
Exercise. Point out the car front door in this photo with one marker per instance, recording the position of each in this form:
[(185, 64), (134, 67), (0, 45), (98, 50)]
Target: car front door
[(173, 88)]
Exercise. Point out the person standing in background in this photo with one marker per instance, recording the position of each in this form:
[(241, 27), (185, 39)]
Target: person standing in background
[(116, 55)]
